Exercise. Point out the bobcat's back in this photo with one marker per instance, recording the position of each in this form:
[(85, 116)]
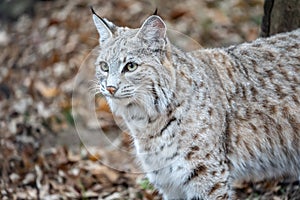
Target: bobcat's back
[(261, 81)]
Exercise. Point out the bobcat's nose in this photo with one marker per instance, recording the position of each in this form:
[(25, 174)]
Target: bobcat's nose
[(111, 89)]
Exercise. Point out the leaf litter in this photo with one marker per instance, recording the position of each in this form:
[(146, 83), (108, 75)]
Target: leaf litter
[(41, 53)]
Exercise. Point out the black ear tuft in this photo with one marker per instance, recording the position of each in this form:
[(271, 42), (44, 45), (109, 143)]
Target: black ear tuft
[(155, 12), (93, 11)]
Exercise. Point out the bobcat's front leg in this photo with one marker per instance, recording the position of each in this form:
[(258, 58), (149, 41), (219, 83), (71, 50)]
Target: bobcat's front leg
[(209, 180), (201, 191)]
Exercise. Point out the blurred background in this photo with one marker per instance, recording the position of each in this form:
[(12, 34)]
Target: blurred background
[(44, 47)]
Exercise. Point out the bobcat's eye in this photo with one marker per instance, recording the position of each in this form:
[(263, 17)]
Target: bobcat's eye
[(131, 66), (104, 66)]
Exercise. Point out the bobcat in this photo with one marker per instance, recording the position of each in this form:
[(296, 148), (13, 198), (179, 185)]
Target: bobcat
[(200, 120)]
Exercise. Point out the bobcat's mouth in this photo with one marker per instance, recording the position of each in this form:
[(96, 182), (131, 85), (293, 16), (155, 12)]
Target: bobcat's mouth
[(118, 97)]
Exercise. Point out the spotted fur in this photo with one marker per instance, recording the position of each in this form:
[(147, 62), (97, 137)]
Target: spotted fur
[(203, 119)]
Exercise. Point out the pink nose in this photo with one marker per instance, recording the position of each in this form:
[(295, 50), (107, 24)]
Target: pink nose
[(111, 89)]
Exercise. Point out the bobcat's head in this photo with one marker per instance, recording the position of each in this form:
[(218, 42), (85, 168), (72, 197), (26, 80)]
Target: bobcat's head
[(134, 65)]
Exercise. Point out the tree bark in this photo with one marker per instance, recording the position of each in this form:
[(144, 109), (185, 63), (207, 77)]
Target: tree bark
[(280, 16)]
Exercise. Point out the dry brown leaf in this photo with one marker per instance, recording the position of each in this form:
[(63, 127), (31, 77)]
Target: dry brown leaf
[(98, 169), (72, 157), (91, 194), (29, 178), (94, 157), (47, 92)]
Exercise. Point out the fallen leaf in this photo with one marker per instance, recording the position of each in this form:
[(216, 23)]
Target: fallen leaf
[(47, 92)]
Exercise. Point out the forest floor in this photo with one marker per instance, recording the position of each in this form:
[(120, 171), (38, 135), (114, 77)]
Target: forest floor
[(58, 140)]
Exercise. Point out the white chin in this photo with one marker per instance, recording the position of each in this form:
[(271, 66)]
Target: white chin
[(120, 101)]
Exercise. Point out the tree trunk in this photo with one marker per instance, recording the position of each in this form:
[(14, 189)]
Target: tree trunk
[(280, 16)]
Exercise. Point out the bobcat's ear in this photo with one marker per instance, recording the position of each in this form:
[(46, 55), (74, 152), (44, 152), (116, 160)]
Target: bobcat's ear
[(154, 28), (104, 27)]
